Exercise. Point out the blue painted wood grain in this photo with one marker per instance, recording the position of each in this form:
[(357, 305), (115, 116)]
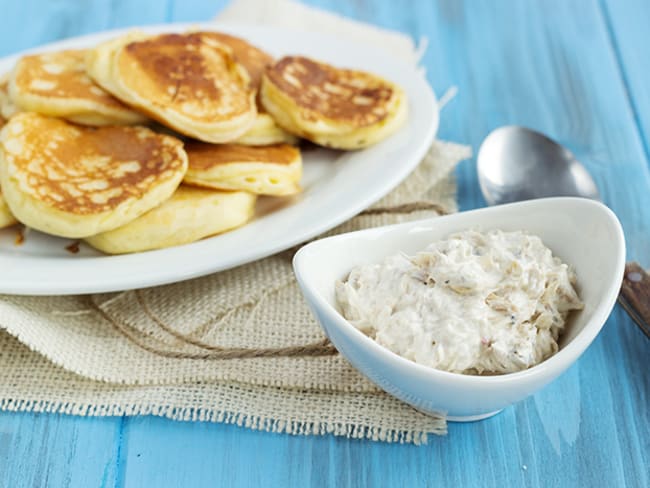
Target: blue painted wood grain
[(57, 450), (630, 18), (575, 70)]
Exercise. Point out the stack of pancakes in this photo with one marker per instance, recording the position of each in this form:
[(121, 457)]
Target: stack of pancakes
[(150, 141)]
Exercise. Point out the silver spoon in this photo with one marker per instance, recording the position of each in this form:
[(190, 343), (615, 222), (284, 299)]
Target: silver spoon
[(515, 163)]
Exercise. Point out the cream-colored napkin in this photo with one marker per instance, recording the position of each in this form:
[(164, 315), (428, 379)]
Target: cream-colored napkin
[(296, 16), (239, 346)]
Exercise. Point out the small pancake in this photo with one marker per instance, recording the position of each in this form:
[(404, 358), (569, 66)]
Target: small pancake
[(263, 170), (255, 61), (189, 215), (339, 108), (7, 106), (56, 84), (185, 81), (6, 217), (75, 181), (264, 132)]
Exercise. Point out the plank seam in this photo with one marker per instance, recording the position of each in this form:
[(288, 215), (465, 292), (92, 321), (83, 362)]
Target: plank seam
[(119, 462), (609, 28)]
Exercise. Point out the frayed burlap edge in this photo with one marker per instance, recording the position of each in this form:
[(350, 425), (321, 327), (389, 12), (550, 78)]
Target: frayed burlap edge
[(46, 387)]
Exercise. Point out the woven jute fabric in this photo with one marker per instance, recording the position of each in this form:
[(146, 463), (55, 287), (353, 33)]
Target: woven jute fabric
[(239, 346)]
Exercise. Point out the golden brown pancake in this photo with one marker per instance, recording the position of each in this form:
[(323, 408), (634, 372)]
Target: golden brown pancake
[(56, 84), (255, 61), (185, 81), (6, 217), (334, 107), (75, 181), (189, 215), (263, 170), (7, 107), (264, 132)]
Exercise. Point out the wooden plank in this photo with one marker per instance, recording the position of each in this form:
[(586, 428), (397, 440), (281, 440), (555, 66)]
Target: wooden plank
[(194, 10), (58, 450), (49, 21), (627, 24)]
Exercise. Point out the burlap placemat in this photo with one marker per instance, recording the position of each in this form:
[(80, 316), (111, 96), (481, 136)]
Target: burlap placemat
[(239, 346)]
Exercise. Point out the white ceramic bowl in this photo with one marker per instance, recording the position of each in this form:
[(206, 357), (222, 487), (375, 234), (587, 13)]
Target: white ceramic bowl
[(583, 233)]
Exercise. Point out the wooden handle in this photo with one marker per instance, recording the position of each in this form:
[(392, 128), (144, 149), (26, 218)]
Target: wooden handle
[(635, 295)]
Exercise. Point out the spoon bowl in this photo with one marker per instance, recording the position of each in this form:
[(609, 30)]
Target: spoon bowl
[(515, 164)]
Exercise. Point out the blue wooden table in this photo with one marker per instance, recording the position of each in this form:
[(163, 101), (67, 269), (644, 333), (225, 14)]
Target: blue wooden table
[(577, 70)]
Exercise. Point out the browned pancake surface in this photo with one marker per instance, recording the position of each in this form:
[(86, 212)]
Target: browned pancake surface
[(86, 170), (202, 155), (187, 74), (61, 75), (250, 57), (347, 96)]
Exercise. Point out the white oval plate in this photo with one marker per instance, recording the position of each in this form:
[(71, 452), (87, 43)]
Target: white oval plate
[(337, 186)]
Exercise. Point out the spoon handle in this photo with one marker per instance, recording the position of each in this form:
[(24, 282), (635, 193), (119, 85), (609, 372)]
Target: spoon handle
[(635, 295)]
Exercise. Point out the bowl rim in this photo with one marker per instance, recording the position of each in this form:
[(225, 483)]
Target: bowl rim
[(558, 362)]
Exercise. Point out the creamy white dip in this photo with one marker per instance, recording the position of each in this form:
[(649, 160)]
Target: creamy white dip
[(474, 303)]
